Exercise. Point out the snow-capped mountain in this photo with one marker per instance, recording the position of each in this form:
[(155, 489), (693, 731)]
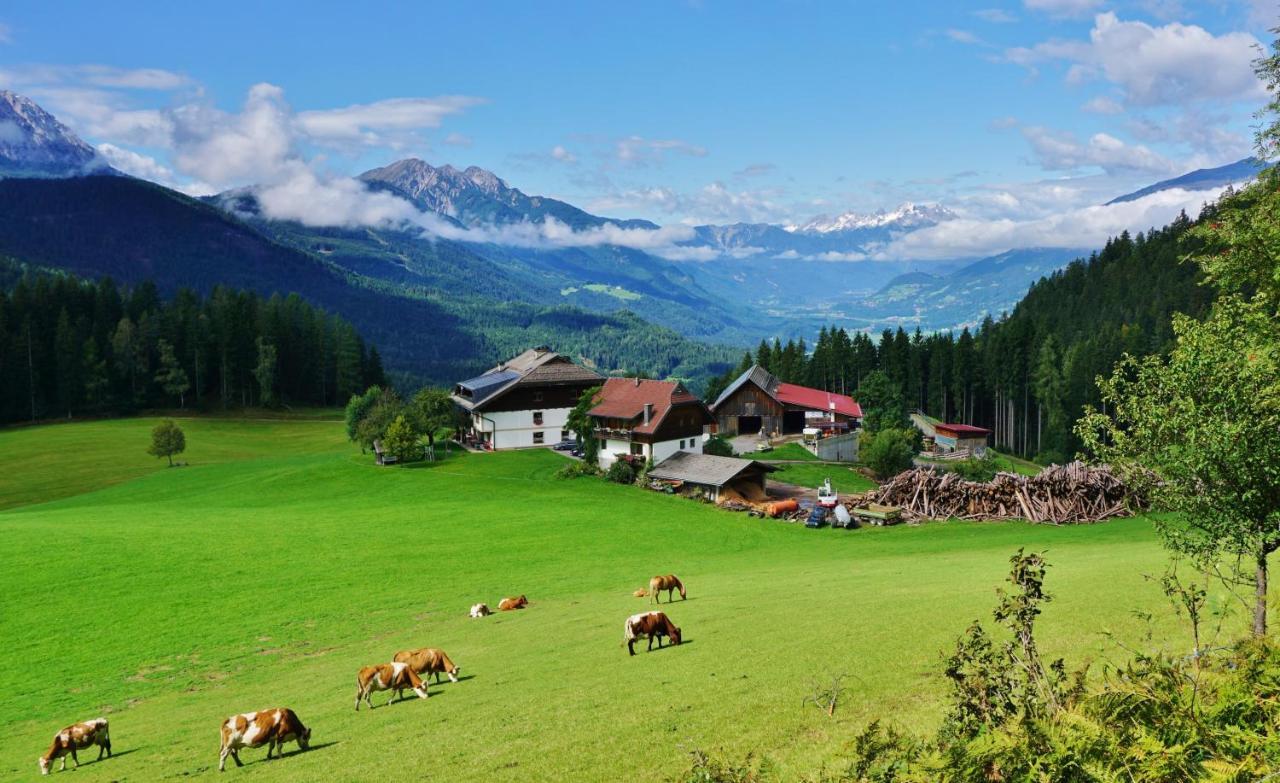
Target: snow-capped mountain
[(907, 216), (34, 143)]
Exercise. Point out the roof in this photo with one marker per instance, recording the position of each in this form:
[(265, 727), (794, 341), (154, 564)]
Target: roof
[(704, 469), (791, 394), (536, 366), (963, 429), (625, 398), (757, 375), (816, 399)]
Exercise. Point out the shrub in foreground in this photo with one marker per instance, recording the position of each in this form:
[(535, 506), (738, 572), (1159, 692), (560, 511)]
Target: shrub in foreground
[(621, 472), (1012, 716)]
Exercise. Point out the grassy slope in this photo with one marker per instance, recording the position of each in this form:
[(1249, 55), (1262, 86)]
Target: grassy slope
[(843, 478), (280, 561)]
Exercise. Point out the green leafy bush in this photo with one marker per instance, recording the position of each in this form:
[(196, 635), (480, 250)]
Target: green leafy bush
[(577, 469), (621, 472), (974, 469), (889, 452), (719, 446)]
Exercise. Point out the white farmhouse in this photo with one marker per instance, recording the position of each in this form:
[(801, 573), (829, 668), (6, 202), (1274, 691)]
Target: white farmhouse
[(525, 401), (638, 419)]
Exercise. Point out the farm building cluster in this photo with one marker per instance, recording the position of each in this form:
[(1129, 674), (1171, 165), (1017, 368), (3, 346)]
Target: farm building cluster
[(526, 402)]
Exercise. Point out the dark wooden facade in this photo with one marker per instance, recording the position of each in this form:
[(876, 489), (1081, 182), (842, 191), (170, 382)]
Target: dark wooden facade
[(750, 410), (527, 397)]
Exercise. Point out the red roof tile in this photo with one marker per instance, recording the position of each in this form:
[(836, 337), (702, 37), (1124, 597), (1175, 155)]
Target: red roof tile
[(962, 429), (625, 398), (818, 400)]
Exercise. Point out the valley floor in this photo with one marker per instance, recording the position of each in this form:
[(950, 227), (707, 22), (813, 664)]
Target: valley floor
[(281, 560)]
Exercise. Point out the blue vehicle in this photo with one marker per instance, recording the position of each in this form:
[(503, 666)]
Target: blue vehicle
[(817, 517)]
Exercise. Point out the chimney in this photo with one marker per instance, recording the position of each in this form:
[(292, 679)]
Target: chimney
[(637, 380), (648, 412)]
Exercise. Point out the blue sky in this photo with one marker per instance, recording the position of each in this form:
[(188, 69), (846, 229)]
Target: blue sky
[(674, 111)]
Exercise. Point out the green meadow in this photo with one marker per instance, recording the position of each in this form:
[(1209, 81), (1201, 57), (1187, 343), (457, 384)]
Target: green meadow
[(280, 560)]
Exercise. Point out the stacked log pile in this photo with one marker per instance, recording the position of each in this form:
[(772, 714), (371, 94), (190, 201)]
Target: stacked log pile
[(1059, 494)]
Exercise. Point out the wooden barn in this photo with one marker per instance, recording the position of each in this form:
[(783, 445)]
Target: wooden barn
[(757, 401), (713, 476)]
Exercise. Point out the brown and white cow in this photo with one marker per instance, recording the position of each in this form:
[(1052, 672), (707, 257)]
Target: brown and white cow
[(273, 728), (428, 661), (480, 610), (649, 624), (395, 677), (507, 604), (77, 737)]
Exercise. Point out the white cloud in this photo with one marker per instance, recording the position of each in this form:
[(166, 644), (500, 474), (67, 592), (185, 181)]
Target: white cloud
[(93, 75), (389, 123), (1061, 151), (563, 155), (713, 203), (995, 15), (639, 151), (1175, 64), (458, 140), (1062, 8), (1088, 226), (756, 170), (964, 37), (1103, 105)]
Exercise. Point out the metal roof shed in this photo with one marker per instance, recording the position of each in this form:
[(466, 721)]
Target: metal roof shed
[(711, 472)]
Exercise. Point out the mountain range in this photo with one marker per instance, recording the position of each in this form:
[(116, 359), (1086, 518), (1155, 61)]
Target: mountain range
[(442, 307)]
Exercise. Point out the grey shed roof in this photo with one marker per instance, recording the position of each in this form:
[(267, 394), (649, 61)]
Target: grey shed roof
[(757, 375), (704, 469)]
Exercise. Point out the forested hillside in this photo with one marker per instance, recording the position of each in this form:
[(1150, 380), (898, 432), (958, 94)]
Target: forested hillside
[(438, 314), (71, 347), (1027, 375)]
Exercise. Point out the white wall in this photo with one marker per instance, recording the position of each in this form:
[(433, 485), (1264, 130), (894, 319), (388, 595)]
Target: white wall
[(657, 451), (515, 429)]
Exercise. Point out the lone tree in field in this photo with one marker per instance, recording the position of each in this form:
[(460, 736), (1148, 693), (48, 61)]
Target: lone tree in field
[(167, 439)]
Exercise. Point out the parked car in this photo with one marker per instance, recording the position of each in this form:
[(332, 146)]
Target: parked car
[(566, 445), (577, 452)]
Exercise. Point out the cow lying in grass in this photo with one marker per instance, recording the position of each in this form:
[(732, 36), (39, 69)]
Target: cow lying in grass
[(481, 610), (394, 677), (428, 661), (273, 728), (77, 737), (649, 624), (507, 604)]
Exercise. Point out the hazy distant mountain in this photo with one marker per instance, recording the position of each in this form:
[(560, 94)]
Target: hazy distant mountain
[(34, 144), (476, 197), (1201, 179)]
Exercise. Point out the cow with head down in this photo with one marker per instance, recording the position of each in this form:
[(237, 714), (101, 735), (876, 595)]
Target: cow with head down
[(650, 624), (273, 728), (428, 661), (75, 737), (395, 677)]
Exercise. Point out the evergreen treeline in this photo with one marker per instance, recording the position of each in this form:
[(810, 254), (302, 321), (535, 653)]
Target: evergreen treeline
[(70, 346), (1026, 376)]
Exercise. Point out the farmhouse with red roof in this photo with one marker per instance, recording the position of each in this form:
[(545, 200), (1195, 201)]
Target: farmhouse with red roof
[(758, 402), (644, 419)]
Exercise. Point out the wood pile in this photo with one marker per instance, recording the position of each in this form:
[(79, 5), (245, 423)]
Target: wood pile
[(1059, 494)]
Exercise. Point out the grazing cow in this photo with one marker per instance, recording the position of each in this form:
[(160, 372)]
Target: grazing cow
[(77, 737), (273, 728), (429, 660), (481, 610), (394, 677), (508, 604), (649, 624), (670, 583)]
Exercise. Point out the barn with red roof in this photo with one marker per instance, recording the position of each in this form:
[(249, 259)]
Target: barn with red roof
[(757, 401)]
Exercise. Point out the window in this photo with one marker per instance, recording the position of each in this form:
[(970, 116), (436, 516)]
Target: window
[(637, 449), (537, 418), (537, 396), (537, 437), (600, 443), (564, 434)]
